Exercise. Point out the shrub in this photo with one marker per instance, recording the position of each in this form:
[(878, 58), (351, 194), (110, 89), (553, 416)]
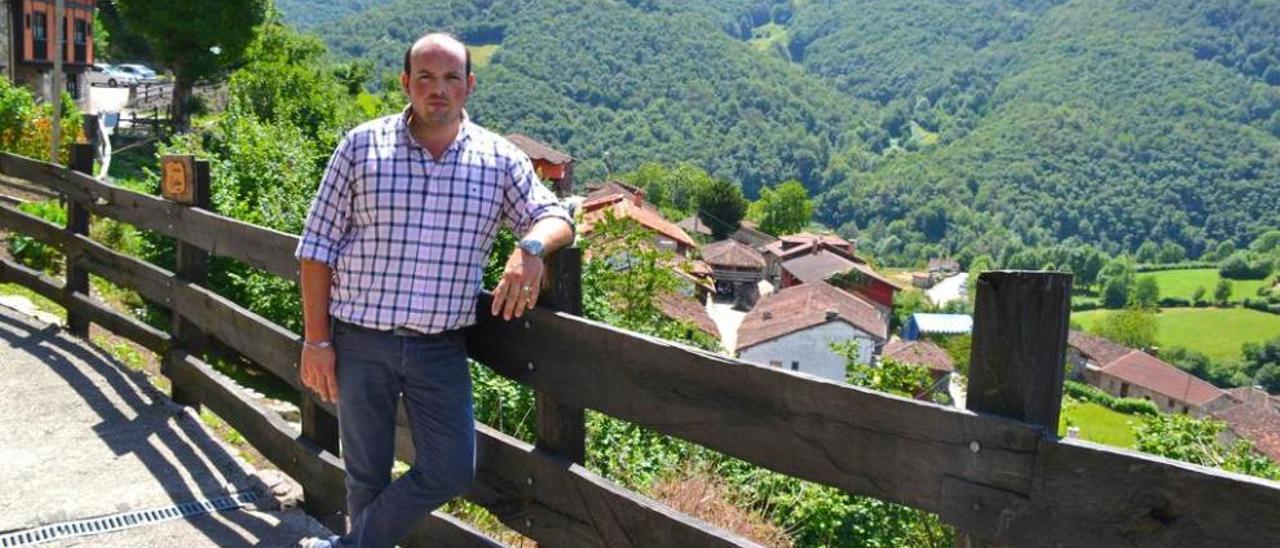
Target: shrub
[(1174, 301), (32, 253), (1135, 406), (1245, 265)]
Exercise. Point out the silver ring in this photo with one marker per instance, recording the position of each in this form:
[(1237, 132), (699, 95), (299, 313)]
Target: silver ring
[(526, 289)]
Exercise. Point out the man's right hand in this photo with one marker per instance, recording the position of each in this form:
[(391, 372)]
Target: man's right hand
[(319, 372)]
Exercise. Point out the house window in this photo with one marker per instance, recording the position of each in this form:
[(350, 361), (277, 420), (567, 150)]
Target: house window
[(1184, 410), (795, 366), (1124, 389), (775, 363), (39, 36)]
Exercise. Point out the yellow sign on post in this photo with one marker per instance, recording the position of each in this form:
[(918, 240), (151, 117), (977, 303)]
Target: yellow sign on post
[(178, 181)]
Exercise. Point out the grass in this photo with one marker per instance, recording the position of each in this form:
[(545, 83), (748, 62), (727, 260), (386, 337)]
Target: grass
[(1183, 283), (1216, 332), (1098, 424), (42, 304), (767, 38), (481, 56)]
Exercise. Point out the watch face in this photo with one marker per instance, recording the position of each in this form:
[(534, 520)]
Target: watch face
[(532, 247)]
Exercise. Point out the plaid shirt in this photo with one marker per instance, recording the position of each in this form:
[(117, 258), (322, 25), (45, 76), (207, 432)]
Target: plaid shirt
[(408, 236)]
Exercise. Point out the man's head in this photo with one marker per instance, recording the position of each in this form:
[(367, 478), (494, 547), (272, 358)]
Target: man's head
[(437, 78)]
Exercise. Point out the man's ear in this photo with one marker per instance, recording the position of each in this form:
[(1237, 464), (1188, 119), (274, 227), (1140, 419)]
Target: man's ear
[(404, 82), (471, 83)]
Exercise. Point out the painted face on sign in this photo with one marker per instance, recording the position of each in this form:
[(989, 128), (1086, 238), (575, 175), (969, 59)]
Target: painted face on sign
[(175, 177)]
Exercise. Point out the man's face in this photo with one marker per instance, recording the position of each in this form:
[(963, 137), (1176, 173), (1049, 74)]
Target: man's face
[(437, 84)]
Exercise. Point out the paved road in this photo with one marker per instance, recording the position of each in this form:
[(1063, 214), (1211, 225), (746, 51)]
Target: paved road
[(950, 289), (82, 437)]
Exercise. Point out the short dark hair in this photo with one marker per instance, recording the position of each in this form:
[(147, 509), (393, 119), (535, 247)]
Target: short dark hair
[(409, 52)]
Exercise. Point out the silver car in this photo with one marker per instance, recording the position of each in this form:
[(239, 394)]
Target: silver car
[(141, 72), (102, 74)]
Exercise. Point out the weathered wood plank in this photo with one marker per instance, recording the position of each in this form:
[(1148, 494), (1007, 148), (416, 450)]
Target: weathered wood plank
[(855, 439), (150, 338), (78, 223), (559, 503), (1016, 371), (1019, 346), (192, 265), (42, 284), (261, 247), (1093, 495), (562, 428), (267, 344), (320, 473)]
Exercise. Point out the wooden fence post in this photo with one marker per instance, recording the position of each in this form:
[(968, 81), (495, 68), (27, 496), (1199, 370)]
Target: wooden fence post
[(192, 264), (1016, 364), (562, 428), (78, 223)]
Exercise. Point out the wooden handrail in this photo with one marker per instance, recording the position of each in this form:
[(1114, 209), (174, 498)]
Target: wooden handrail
[(1000, 479)]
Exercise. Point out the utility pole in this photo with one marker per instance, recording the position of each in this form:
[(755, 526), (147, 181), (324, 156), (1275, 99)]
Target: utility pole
[(55, 86)]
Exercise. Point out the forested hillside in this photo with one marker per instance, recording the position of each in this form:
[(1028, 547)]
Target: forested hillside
[(927, 126)]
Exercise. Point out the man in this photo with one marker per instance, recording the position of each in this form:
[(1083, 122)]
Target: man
[(393, 254)]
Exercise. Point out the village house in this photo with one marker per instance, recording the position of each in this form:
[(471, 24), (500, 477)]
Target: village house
[(823, 263), (624, 201), (795, 245), (795, 328), (924, 354), (549, 163), (688, 310), (747, 232), (1256, 417), (737, 268), (1127, 373), (29, 32), (921, 325)]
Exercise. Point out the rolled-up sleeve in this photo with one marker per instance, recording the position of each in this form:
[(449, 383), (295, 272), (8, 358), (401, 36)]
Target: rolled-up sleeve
[(327, 222), (527, 200)]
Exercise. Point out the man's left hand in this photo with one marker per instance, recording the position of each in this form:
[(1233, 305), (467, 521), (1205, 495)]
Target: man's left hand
[(518, 289)]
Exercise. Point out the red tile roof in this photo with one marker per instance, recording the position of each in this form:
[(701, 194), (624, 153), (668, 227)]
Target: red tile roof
[(791, 245), (922, 353), (693, 224), (613, 192), (625, 209), (732, 253), (688, 310), (1101, 351), (804, 306), (1256, 420), (816, 266), (538, 150), (1142, 369)]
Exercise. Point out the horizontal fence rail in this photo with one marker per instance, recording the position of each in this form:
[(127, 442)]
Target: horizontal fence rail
[(996, 478)]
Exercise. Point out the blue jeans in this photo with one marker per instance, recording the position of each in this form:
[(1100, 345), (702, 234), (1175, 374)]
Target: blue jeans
[(374, 369)]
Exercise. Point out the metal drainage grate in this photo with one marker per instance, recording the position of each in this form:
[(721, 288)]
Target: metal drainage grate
[(125, 520)]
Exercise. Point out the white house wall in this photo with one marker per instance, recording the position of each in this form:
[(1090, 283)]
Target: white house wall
[(812, 349)]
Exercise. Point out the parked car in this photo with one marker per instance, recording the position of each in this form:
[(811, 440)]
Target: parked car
[(102, 74), (144, 74)]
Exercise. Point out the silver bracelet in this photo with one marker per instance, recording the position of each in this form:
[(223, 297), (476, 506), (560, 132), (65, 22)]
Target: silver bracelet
[(317, 344)]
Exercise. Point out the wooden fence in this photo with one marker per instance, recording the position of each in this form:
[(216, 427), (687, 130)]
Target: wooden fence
[(997, 472)]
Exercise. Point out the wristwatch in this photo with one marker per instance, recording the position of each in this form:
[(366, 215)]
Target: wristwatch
[(533, 246)]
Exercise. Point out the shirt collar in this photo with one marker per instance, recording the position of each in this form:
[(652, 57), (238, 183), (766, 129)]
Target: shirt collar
[(459, 142)]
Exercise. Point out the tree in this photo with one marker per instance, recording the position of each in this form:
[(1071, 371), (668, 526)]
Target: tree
[(1245, 265), (1146, 293), (1086, 263), (1148, 252), (1131, 327), (785, 209), (1181, 437), (1262, 364), (198, 40), (1197, 296), (1118, 279), (1171, 253), (892, 376), (1222, 293), (721, 206)]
